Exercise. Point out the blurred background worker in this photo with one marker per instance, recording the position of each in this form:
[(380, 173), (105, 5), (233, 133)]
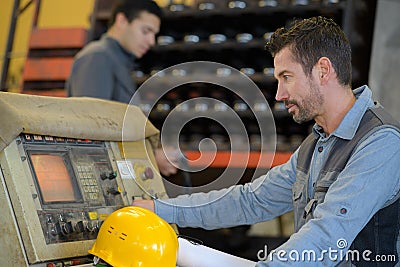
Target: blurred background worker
[(102, 69), (134, 236)]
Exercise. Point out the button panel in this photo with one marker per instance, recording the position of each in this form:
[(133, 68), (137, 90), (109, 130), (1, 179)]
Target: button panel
[(89, 182), (86, 176)]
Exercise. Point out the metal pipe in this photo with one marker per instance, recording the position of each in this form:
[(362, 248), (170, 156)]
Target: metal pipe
[(10, 41), (36, 14)]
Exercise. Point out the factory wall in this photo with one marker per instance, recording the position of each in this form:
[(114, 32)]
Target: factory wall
[(59, 13), (385, 57)]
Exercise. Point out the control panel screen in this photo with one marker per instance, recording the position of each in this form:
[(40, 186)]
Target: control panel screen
[(54, 180)]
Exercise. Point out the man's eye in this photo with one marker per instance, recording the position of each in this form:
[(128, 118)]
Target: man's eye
[(285, 77)]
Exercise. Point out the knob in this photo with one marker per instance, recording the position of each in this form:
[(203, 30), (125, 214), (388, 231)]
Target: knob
[(54, 229), (67, 228), (97, 225), (90, 226), (57, 229), (147, 174), (80, 226)]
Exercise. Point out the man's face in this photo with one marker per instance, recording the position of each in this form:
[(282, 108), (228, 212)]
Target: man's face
[(139, 35), (301, 94)]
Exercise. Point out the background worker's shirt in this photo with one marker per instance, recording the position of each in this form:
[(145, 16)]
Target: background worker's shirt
[(102, 69)]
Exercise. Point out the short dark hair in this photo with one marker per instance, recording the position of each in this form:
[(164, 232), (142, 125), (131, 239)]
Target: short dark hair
[(313, 38), (132, 9)]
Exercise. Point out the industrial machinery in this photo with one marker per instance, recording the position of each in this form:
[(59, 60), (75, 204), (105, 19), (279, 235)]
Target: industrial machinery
[(66, 164)]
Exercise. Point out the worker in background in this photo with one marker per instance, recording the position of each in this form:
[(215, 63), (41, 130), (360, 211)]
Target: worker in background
[(342, 182), (102, 69)]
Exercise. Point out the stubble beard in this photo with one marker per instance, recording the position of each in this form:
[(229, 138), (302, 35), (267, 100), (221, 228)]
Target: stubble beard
[(308, 106)]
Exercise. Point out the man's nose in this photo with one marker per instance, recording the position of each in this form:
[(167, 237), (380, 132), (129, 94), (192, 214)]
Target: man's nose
[(152, 40), (281, 93)]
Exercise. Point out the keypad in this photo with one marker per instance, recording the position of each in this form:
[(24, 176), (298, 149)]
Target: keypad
[(88, 181)]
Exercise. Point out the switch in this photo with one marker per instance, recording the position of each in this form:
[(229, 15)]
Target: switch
[(114, 191), (103, 176), (112, 175)]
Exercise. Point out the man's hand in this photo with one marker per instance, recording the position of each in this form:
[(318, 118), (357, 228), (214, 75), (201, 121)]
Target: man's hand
[(143, 203), (166, 165)]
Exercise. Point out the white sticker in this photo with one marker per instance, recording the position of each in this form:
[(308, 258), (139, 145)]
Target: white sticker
[(126, 169)]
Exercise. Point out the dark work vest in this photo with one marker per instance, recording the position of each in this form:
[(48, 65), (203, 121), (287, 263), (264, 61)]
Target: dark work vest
[(380, 234)]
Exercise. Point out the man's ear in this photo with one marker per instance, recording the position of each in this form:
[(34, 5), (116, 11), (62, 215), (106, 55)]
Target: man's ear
[(325, 69), (120, 19)]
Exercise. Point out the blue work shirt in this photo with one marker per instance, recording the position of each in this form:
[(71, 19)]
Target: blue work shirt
[(370, 179)]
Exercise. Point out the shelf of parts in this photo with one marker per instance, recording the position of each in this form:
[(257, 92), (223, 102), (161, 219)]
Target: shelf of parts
[(225, 11), (169, 80), (206, 45)]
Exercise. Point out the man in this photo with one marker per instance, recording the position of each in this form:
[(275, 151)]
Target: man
[(103, 68), (342, 182)]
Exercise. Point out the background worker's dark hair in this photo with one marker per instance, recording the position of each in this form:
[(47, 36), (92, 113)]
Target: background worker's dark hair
[(313, 38), (132, 9)]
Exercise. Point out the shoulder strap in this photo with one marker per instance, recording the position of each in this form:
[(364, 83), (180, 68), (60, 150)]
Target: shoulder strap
[(374, 118)]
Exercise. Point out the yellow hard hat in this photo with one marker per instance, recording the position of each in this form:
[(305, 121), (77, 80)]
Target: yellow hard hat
[(134, 236)]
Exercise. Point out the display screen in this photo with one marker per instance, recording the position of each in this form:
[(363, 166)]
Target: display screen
[(54, 180)]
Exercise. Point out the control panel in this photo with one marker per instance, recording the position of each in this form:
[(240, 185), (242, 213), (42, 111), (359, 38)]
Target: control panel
[(75, 183), (57, 192)]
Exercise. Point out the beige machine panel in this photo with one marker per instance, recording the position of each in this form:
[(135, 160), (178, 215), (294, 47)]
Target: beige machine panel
[(56, 189), (139, 175)]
